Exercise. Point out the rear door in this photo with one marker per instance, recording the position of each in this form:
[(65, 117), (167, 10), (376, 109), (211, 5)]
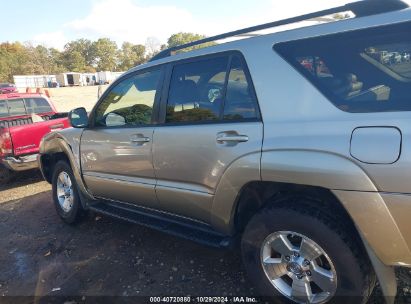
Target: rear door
[(116, 152), (211, 118)]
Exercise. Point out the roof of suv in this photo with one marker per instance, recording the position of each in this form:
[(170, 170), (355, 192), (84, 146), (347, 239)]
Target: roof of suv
[(346, 25)]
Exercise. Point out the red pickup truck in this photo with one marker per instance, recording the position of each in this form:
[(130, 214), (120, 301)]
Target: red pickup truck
[(24, 120)]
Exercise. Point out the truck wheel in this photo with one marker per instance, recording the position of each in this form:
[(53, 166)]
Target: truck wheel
[(293, 255), (65, 194), (6, 175)]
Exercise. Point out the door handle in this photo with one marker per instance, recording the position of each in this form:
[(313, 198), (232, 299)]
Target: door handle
[(139, 139), (57, 126), (231, 138)]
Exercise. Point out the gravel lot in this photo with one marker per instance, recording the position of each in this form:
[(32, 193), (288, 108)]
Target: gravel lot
[(42, 256), (68, 98), (101, 256)]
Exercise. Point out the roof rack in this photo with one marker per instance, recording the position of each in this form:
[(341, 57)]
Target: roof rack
[(359, 8)]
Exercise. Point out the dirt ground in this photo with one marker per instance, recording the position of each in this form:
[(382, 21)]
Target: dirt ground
[(41, 256)]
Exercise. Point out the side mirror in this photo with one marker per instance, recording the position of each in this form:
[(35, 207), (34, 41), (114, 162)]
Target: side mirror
[(78, 118)]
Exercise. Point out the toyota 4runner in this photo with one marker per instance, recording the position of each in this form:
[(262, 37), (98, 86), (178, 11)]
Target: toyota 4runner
[(295, 142)]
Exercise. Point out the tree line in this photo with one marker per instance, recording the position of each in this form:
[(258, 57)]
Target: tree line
[(81, 55)]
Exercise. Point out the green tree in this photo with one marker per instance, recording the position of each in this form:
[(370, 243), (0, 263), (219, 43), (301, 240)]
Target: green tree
[(74, 61), (13, 59), (105, 54), (57, 61), (183, 38), (78, 55), (340, 16), (131, 55), (84, 47), (41, 60)]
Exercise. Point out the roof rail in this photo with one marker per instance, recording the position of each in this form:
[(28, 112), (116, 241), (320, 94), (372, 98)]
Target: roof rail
[(359, 8)]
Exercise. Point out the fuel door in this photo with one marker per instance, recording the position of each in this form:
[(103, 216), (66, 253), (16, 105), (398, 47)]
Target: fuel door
[(376, 145)]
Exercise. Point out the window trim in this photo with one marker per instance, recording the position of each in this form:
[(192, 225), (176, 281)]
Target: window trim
[(220, 120), (156, 104)]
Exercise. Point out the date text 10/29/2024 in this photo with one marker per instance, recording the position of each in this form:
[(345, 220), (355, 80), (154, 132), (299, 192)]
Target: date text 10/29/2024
[(189, 299)]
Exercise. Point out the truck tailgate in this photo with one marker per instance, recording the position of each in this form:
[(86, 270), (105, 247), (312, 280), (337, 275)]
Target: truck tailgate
[(26, 138)]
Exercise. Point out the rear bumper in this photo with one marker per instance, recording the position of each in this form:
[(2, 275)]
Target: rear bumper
[(22, 163)]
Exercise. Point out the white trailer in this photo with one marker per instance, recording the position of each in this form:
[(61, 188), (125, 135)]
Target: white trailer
[(70, 79), (33, 81), (104, 77)]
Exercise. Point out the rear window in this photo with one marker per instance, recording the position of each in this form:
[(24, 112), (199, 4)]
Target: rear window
[(3, 109), (196, 90), (211, 90), (361, 71), (37, 105), (16, 107)]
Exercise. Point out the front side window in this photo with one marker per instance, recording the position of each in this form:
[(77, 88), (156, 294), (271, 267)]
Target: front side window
[(16, 107), (130, 102), (362, 71), (37, 105)]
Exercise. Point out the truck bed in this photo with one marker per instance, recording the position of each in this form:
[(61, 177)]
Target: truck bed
[(26, 134)]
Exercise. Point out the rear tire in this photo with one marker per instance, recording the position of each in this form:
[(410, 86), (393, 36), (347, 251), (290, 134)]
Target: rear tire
[(304, 249), (65, 194)]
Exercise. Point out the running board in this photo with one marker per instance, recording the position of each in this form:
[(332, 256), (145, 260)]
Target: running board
[(184, 228)]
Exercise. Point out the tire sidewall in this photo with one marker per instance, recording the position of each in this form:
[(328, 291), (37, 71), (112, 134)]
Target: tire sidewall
[(350, 278), (71, 216), (6, 175)]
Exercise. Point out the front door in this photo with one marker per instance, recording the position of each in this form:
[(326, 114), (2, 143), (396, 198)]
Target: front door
[(116, 152), (211, 120)]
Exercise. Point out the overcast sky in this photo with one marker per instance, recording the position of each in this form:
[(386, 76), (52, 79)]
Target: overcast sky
[(53, 23)]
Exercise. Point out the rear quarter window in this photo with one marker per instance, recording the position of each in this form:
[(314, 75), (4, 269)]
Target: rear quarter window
[(360, 71), (37, 106)]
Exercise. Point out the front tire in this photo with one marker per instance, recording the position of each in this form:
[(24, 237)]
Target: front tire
[(6, 175), (295, 255), (65, 194)]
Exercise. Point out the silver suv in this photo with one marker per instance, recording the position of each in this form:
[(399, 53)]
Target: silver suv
[(294, 142)]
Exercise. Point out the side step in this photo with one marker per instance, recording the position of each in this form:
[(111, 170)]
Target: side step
[(184, 228)]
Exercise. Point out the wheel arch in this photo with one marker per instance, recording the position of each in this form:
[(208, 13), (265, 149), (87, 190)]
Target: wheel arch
[(310, 173), (56, 148), (282, 168)]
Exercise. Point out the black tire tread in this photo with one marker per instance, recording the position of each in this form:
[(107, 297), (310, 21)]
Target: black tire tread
[(311, 207), (6, 175), (335, 222)]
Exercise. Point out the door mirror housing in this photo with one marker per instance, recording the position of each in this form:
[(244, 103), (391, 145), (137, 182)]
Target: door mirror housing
[(78, 118)]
